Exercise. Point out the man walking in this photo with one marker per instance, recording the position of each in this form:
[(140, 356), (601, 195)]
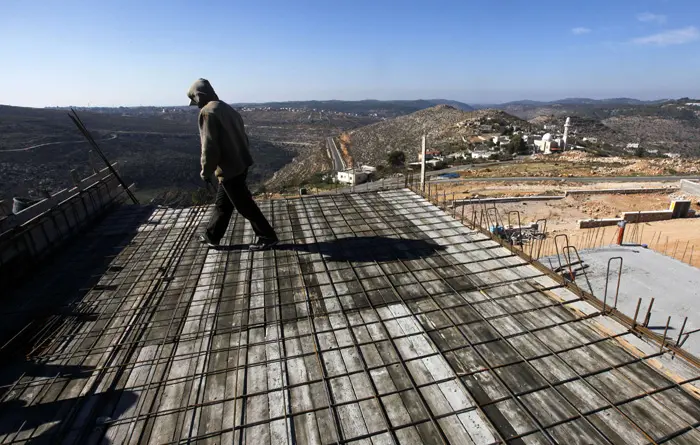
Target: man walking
[(225, 152)]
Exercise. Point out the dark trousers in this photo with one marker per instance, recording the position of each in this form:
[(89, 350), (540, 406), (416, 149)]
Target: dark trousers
[(234, 194)]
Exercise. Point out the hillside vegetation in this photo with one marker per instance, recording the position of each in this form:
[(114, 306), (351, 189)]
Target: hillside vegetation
[(670, 126), (153, 152), (385, 108), (157, 150), (448, 129)]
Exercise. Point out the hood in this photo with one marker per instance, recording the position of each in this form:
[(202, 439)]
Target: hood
[(201, 93)]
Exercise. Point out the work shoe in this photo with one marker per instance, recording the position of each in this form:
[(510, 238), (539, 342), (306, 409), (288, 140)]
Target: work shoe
[(204, 239), (263, 244)]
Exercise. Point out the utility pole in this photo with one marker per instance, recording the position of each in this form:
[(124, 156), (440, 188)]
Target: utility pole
[(422, 167)]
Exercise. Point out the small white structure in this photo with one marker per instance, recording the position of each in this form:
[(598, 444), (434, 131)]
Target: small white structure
[(458, 155), (352, 177), (673, 155), (566, 132), (481, 154), (368, 169), (500, 139), (548, 144)]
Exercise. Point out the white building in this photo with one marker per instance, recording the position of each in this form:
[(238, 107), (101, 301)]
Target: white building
[(547, 144), (458, 155), (501, 139), (368, 169), (481, 154), (352, 177), (633, 146)]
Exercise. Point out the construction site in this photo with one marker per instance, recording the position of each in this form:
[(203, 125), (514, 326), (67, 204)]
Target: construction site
[(388, 316)]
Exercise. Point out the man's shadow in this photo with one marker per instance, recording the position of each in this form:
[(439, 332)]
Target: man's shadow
[(363, 248)]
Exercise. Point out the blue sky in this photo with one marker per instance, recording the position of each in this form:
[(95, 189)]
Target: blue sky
[(105, 53)]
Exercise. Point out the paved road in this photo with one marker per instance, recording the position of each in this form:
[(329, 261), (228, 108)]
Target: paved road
[(338, 163), (574, 179), (461, 168), (389, 183), (46, 144)]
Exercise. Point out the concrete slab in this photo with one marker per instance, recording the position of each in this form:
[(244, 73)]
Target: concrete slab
[(378, 319), (646, 274)]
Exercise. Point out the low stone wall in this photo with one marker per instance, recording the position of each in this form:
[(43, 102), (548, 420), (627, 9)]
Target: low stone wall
[(593, 223), (647, 216), (458, 202), (690, 187), (634, 191)]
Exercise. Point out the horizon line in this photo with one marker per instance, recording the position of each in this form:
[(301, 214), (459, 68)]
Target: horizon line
[(481, 103)]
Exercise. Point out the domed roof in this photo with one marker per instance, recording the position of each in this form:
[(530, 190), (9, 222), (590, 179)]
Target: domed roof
[(547, 137)]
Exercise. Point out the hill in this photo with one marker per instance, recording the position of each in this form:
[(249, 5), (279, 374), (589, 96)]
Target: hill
[(447, 128), (159, 152), (383, 108), (668, 125)]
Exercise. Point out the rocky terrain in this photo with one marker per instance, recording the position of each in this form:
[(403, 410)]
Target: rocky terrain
[(667, 134), (667, 126), (448, 129), (583, 127)]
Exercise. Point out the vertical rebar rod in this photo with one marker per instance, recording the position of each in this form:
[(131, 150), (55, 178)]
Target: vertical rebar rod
[(663, 340), (636, 312), (647, 317), (680, 334), (690, 261), (686, 250)]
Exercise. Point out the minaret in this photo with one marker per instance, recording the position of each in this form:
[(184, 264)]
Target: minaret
[(566, 131)]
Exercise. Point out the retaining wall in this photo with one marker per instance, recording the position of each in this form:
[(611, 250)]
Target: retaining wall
[(593, 223), (634, 191), (38, 233), (647, 216), (507, 199)]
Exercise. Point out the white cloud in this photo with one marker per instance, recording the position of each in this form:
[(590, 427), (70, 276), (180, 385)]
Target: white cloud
[(649, 17), (580, 30), (672, 37)]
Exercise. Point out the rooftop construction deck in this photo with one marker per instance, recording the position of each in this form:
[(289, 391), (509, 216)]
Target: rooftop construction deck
[(379, 319)]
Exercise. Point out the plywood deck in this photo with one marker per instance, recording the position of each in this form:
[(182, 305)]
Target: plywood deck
[(378, 320)]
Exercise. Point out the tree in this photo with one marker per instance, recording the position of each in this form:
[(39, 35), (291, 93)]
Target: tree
[(517, 145), (639, 152), (396, 158)]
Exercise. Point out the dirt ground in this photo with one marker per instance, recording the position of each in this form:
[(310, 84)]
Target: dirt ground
[(499, 189), (678, 238), (577, 163), (563, 215)]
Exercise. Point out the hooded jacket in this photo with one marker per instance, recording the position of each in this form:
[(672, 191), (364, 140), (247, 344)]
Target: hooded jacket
[(225, 146)]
